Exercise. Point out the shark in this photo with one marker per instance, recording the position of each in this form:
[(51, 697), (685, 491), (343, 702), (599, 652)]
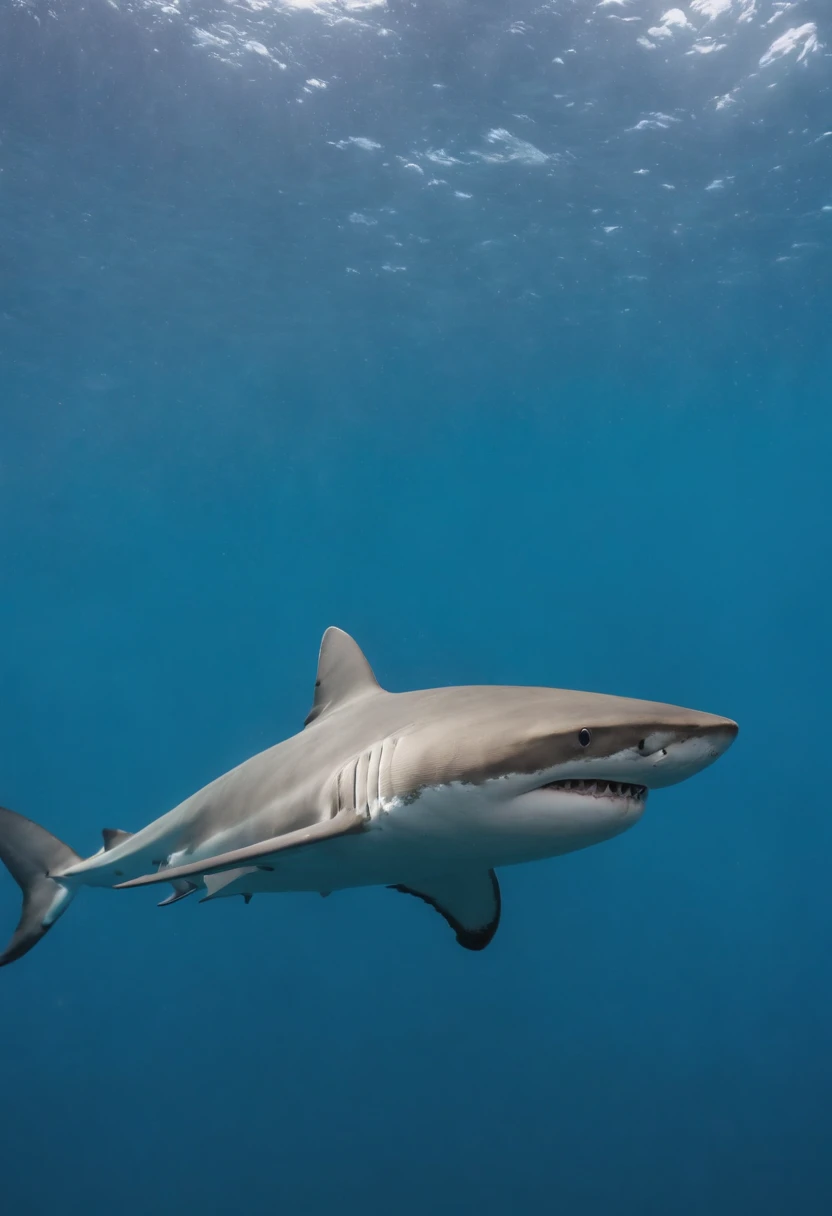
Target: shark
[(427, 793)]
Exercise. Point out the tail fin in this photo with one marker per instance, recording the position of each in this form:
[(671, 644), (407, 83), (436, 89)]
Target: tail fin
[(30, 853)]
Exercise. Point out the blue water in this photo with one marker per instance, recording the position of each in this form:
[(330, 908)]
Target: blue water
[(498, 335)]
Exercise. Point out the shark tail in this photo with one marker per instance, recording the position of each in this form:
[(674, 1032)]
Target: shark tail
[(31, 854)]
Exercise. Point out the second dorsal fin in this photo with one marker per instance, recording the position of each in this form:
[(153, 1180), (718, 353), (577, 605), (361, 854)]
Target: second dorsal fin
[(344, 674)]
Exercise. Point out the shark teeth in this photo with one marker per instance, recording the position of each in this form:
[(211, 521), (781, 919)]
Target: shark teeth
[(600, 789)]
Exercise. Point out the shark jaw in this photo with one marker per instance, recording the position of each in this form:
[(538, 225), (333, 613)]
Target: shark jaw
[(505, 821), (568, 814), (599, 789)]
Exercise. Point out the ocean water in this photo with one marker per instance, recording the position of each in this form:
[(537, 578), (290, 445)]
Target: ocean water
[(498, 335)]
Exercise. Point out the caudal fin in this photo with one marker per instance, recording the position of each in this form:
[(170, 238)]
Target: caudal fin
[(30, 854)]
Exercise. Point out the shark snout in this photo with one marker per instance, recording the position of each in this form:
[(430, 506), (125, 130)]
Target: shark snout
[(725, 732), (674, 756), (719, 735)]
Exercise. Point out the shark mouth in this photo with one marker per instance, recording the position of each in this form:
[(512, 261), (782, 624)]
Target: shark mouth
[(600, 789)]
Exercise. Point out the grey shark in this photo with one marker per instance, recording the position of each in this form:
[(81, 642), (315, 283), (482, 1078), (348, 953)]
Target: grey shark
[(426, 793)]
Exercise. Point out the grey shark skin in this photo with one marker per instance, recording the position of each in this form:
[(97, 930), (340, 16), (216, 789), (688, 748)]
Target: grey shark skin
[(423, 792)]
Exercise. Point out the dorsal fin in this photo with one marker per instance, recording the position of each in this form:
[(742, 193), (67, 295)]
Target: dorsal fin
[(113, 837), (344, 674)]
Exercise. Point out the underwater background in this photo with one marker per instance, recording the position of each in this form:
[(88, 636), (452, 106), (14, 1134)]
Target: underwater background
[(498, 335)]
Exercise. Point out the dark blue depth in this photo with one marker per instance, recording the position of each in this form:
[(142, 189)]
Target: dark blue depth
[(542, 421)]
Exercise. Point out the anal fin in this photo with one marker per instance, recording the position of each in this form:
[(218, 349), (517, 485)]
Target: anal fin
[(469, 900)]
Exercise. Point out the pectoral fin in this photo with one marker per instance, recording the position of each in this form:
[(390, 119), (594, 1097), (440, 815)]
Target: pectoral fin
[(259, 855), (468, 900)]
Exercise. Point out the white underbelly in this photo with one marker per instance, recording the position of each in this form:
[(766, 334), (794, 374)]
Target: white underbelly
[(448, 828)]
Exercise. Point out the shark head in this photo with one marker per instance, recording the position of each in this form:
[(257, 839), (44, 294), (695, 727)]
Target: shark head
[(482, 733), (549, 770), (530, 772)]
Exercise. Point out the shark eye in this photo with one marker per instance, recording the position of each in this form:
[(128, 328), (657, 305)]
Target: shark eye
[(584, 737)]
